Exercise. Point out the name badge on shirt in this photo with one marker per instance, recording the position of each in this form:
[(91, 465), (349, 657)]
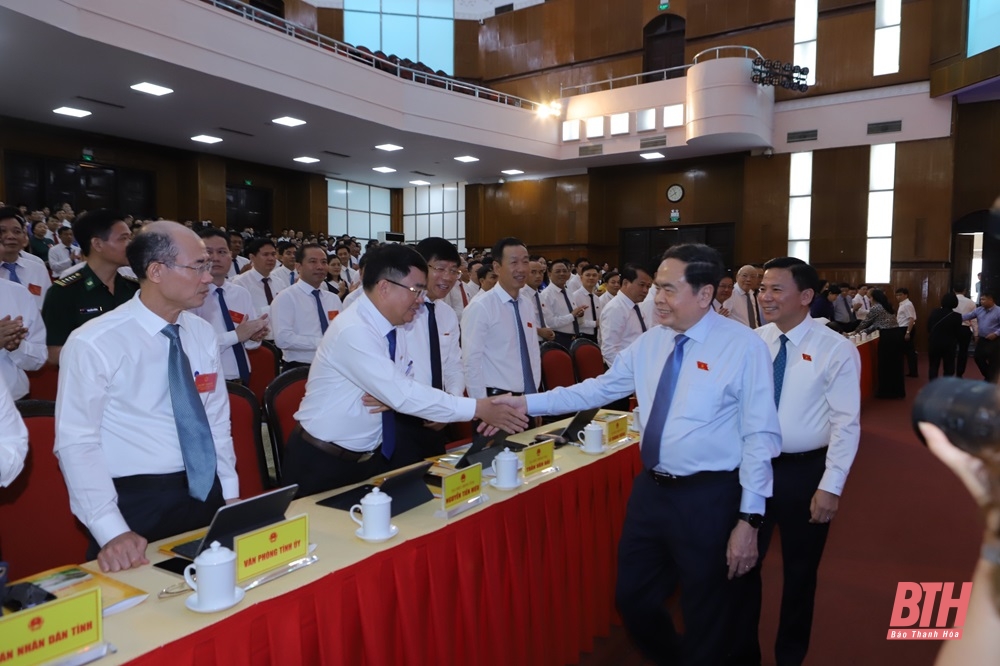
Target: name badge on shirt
[(237, 317), (330, 314), (34, 289), (206, 383)]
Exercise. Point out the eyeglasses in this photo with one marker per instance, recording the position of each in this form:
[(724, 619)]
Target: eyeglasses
[(200, 269), (454, 272), (417, 293)]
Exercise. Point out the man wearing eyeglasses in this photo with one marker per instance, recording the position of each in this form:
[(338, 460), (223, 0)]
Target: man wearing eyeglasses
[(364, 374), (142, 413)]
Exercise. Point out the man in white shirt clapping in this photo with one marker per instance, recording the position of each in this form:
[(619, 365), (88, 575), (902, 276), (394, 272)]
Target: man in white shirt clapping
[(301, 314)]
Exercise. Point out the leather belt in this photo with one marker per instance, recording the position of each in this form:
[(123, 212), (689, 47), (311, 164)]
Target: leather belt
[(802, 455), (334, 450), (492, 391), (665, 479)]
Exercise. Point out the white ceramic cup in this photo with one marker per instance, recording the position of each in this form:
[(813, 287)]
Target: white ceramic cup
[(505, 468), (636, 421), (592, 438), (216, 569), (376, 512)]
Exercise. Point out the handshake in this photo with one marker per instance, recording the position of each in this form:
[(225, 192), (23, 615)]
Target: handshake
[(503, 412)]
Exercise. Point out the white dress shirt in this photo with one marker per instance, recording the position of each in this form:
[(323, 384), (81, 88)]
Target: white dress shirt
[(285, 274), (418, 338), (351, 297), (351, 276), (590, 321), (454, 298), (240, 308), (722, 415), (606, 297), (113, 411), (62, 257), (573, 283), (558, 317), (620, 326), (965, 306), (820, 396), (491, 350), (353, 359), (251, 281), (32, 353), (13, 438), (471, 289), (237, 266), (866, 305), (33, 274), (737, 306), (295, 320), (906, 313)]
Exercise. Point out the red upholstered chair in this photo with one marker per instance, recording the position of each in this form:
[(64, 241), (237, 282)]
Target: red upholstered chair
[(251, 461), (43, 382), (557, 366), (37, 529), (281, 401), (587, 358), (264, 363)]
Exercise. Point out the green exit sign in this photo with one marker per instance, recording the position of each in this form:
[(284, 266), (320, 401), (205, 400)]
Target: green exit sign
[(664, 5), (248, 182)]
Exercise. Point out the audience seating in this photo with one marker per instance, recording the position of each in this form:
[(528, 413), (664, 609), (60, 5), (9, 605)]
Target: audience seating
[(37, 529), (557, 366), (281, 401), (248, 443), (264, 363), (43, 382), (587, 358)]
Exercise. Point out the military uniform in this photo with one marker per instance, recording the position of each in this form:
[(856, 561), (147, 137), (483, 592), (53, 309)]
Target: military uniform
[(79, 297)]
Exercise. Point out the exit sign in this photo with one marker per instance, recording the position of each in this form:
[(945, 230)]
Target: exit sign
[(664, 5)]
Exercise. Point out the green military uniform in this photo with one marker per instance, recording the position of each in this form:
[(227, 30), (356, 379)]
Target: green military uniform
[(79, 297)]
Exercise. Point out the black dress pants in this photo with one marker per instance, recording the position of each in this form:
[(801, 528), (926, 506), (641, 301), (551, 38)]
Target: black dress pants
[(941, 356), (910, 352), (802, 542), (415, 441), (676, 535), (316, 471), (157, 506), (988, 357), (964, 340)]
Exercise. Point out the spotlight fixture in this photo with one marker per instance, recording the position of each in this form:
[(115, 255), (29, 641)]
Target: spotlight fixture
[(776, 73)]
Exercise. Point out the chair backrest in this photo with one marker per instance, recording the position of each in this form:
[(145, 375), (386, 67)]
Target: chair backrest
[(251, 460), (37, 529), (587, 358), (557, 366), (281, 401), (263, 368), (43, 382)]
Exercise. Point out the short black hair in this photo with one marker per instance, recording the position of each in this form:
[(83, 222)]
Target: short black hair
[(257, 244), (213, 232), (805, 276), (903, 290), (609, 276), (285, 245), (630, 272), (581, 260), (392, 262), (62, 229), (834, 289), (483, 271), (95, 224), (564, 262), (149, 246), (498, 247), (236, 233), (473, 263), (437, 248), (704, 264), (987, 291), (341, 246), (949, 301), (8, 212), (958, 289), (300, 253), (589, 267)]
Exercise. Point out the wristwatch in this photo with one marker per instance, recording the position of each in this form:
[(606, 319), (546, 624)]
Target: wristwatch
[(755, 519)]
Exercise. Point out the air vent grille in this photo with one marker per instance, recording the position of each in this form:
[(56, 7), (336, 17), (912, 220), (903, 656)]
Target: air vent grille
[(100, 101), (590, 151), (804, 135), (330, 152), (423, 173), (233, 131), (886, 127), (653, 142)]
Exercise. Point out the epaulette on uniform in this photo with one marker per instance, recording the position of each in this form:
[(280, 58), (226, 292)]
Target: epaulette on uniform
[(130, 278), (69, 279)]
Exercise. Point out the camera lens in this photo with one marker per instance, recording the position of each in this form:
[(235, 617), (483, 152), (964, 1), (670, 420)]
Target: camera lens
[(967, 411)]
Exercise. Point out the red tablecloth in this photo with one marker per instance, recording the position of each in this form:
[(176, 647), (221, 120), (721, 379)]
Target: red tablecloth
[(525, 581), (869, 368)]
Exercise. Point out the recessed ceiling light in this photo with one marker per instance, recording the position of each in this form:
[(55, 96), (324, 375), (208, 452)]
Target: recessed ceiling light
[(389, 147), (467, 158), (288, 121), (307, 160), (70, 111), (384, 169), (512, 172), (204, 138), (151, 89), (419, 182), (652, 156)]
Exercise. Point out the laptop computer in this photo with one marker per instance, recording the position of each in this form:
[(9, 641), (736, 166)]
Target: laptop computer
[(232, 520), (406, 489), (484, 449), (571, 433)]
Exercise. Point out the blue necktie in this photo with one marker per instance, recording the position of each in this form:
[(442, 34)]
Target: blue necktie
[(638, 313), (569, 306), (652, 437), (241, 357), (293, 278), (435, 340), (526, 375), (779, 363), (389, 417), (193, 431), (13, 275), (324, 322), (541, 315)]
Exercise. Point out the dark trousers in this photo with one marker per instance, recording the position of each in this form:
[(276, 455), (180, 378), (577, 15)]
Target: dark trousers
[(157, 506), (964, 340), (291, 365), (415, 441), (316, 471), (987, 357), (802, 542), (910, 352), (564, 339), (938, 356), (589, 336), (677, 535)]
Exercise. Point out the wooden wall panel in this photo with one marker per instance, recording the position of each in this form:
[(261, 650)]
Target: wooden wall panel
[(926, 286), (301, 12), (921, 220), (330, 22), (468, 62), (764, 231), (977, 145), (211, 189), (948, 38), (726, 16), (839, 206)]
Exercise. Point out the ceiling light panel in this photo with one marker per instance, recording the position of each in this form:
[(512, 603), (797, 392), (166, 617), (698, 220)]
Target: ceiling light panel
[(151, 89), (467, 158), (389, 147), (384, 169), (512, 172), (307, 160), (288, 121), (420, 182), (652, 156), (70, 111), (204, 138)]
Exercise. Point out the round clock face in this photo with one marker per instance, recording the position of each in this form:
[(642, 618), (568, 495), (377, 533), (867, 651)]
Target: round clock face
[(675, 193)]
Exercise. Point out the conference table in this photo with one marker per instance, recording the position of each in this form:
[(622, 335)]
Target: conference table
[(525, 578), (868, 351)]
